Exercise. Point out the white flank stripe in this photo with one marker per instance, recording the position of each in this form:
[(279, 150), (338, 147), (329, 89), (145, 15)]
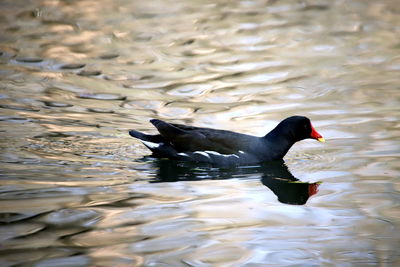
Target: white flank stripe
[(183, 154), (213, 153), (202, 153)]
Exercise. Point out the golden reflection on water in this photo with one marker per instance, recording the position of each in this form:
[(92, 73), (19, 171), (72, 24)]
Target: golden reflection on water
[(76, 76)]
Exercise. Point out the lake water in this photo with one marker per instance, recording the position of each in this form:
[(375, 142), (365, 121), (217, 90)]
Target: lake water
[(77, 190)]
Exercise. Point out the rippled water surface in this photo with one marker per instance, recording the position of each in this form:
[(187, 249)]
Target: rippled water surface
[(76, 190)]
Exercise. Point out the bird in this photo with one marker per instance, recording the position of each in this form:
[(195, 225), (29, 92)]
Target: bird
[(223, 147)]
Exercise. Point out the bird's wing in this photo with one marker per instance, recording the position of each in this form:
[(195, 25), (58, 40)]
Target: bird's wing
[(189, 138)]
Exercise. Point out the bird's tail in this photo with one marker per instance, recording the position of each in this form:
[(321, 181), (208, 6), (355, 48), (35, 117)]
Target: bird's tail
[(156, 143), (147, 137)]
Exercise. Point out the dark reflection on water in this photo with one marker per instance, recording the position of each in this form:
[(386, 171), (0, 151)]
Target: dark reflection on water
[(274, 175), (75, 76)]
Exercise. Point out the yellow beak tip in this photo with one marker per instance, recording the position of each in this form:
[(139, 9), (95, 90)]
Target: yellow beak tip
[(321, 139)]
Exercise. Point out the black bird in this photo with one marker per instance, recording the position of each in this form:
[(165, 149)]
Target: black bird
[(221, 147)]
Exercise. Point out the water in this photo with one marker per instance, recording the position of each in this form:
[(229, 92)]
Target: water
[(76, 190)]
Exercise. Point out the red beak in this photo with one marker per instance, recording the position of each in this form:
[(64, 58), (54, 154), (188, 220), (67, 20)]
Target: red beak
[(315, 135), (313, 189)]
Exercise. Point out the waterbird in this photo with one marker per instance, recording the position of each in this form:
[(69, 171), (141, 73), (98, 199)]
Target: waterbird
[(222, 147)]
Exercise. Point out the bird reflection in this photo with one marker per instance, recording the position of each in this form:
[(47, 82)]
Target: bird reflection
[(274, 175)]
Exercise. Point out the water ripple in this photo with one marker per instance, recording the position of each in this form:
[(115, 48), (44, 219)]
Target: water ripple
[(76, 77)]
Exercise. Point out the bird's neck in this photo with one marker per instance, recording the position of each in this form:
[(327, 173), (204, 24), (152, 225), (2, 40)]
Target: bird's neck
[(278, 143)]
